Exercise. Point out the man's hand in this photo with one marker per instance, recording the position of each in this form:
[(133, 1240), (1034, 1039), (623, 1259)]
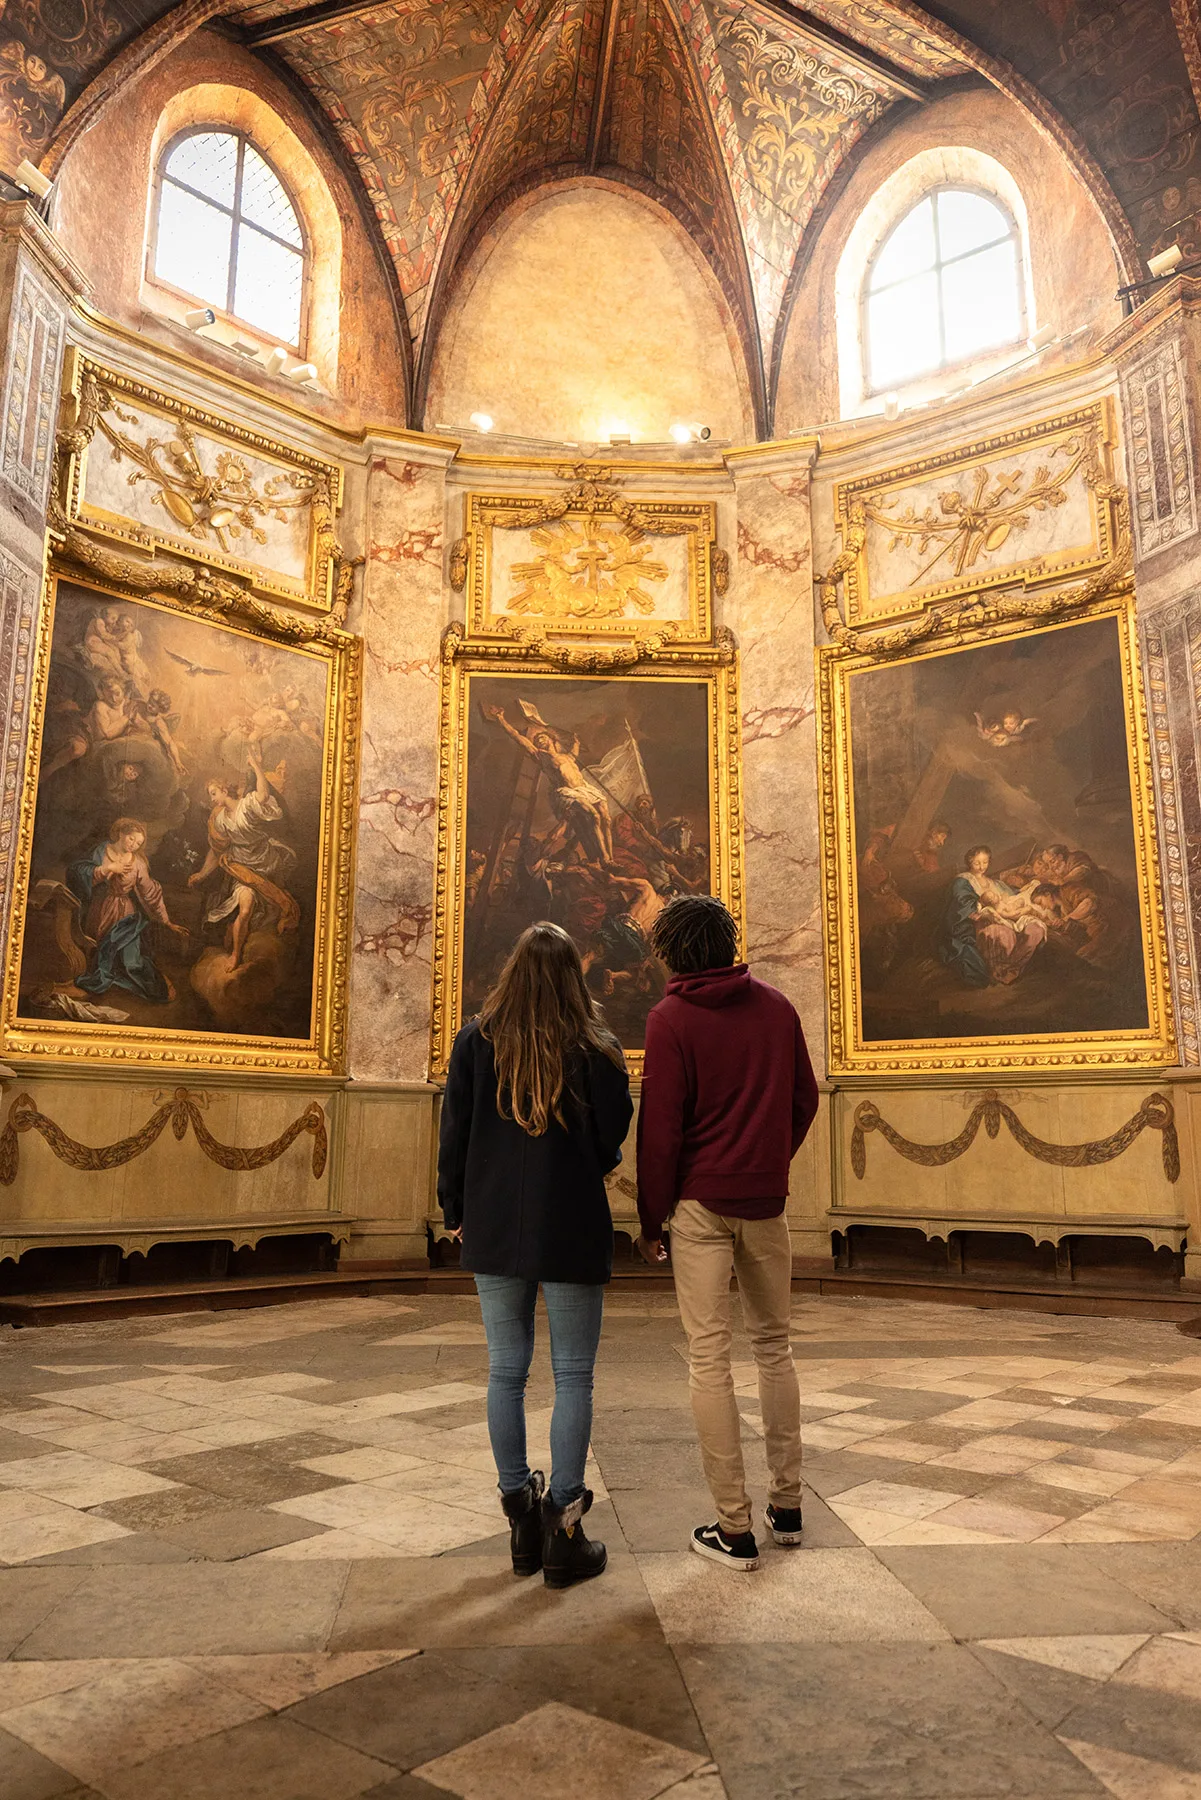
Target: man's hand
[(651, 1250)]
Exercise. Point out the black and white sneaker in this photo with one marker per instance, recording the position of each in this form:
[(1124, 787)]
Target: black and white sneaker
[(739, 1552), (784, 1523)]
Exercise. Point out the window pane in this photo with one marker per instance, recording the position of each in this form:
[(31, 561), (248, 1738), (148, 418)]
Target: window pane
[(902, 332), (908, 250), (267, 286), (193, 245), (981, 303), (966, 221), (264, 200), (208, 162)]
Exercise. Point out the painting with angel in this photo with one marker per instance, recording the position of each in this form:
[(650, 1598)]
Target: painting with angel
[(174, 877), (997, 883)]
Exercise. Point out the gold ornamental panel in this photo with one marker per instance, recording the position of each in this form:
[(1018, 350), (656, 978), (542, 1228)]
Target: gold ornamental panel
[(141, 466), (1029, 505), (589, 562)]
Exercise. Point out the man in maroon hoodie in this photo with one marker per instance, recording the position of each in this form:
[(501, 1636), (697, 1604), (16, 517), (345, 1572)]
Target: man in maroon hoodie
[(728, 1095)]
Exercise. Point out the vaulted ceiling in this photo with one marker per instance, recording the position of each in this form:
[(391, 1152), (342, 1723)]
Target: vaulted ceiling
[(738, 115)]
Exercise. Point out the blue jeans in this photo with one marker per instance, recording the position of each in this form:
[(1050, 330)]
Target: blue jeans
[(574, 1310)]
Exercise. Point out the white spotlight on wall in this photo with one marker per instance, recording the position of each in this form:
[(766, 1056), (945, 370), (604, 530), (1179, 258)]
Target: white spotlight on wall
[(482, 421), (32, 180), (1160, 265), (682, 434), (199, 317), (1046, 334), (892, 406), (305, 373), (275, 360)]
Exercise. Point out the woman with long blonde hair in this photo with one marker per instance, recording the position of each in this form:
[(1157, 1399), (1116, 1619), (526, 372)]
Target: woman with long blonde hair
[(536, 1106)]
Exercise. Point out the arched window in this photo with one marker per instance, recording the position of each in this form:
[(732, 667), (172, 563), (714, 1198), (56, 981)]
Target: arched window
[(227, 233), (945, 285)]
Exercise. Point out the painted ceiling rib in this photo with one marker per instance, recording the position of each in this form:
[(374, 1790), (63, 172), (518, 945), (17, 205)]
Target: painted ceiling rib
[(600, 95), (286, 25), (850, 50)]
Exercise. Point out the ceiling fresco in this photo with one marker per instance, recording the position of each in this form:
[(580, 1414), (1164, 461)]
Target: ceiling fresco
[(736, 114)]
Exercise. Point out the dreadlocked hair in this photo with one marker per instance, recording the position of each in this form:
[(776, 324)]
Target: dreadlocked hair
[(695, 932), (538, 1018)]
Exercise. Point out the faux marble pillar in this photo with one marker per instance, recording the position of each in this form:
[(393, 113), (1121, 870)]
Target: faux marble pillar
[(771, 610), (401, 622), (38, 284)]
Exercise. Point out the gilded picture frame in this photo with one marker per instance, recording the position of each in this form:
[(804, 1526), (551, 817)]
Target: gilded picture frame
[(275, 1003), (140, 466), (1036, 503), (590, 562), (672, 715), (1058, 958)]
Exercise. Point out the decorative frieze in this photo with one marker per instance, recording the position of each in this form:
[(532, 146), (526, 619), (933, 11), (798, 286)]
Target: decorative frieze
[(1160, 449)]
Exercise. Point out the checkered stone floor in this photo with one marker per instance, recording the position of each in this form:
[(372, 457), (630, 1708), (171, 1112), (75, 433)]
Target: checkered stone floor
[(999, 1591)]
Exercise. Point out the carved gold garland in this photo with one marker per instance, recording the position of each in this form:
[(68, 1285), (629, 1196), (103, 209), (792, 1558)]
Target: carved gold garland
[(179, 1112), (210, 511), (1156, 1114)]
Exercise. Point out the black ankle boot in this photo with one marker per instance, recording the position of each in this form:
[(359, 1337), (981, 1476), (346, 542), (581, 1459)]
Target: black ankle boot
[(523, 1512), (567, 1556)]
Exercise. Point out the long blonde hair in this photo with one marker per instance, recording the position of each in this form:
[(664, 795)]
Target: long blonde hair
[(538, 1013)]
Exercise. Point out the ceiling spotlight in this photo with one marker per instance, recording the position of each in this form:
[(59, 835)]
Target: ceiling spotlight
[(305, 373), (1163, 264), (32, 180), (199, 317), (275, 360), (682, 434), (482, 421), (892, 406), (1046, 334)]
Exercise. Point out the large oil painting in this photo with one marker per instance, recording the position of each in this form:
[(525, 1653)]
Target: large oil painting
[(174, 897), (588, 800), (996, 877)]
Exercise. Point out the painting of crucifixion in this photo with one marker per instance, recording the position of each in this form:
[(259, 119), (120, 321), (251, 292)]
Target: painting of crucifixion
[(588, 801)]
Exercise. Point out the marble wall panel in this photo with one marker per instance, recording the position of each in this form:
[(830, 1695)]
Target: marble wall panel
[(1159, 447), (773, 593), (20, 595), (34, 357), (401, 622)]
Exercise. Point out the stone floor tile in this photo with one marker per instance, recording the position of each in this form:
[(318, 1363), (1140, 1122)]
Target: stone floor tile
[(895, 1497), (706, 1784), (1135, 1777), (329, 1546), (275, 1759), (1097, 1657), (76, 1479), (129, 1712), (816, 1596), (662, 1518), (1139, 1721), (1002, 1520), (413, 1523), (1166, 1575), (155, 1512), (229, 1536), (282, 1681), (27, 1596), (192, 1609), (245, 1475), (1168, 1664), (21, 1682), (26, 1775), (132, 1548), (832, 1722), (364, 1464), (401, 1715), (478, 1600), (32, 1526), (1019, 1590), (558, 1749)]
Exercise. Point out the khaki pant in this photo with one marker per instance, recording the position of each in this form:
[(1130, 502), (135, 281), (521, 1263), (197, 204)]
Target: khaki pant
[(704, 1247)]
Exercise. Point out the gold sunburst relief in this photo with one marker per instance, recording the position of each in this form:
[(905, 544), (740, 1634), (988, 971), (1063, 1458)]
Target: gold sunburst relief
[(589, 562)]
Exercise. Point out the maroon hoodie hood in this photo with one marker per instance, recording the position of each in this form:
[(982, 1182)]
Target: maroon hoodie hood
[(713, 987)]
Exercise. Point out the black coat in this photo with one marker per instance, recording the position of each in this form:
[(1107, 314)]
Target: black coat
[(531, 1206)]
